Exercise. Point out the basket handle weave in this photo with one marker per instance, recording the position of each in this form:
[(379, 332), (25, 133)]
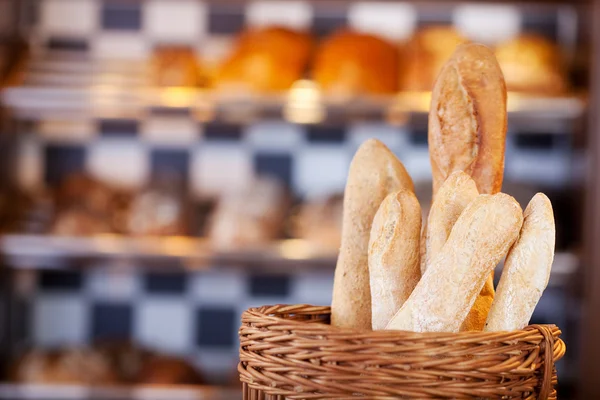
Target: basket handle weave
[(547, 346)]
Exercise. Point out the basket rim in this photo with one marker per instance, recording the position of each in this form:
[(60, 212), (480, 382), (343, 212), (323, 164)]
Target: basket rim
[(275, 314)]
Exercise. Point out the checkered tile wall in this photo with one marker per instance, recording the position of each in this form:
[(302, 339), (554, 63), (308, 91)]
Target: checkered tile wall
[(194, 315), (131, 28), (216, 157), (191, 314)]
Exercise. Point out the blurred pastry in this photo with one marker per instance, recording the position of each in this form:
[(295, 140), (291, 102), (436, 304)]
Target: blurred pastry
[(320, 222), (32, 367), (70, 366), (79, 222), (352, 63), (25, 212), (103, 364), (532, 63), (126, 359), (424, 55), (175, 66), (78, 190), (166, 370), (158, 210), (265, 60), (86, 206), (249, 217)]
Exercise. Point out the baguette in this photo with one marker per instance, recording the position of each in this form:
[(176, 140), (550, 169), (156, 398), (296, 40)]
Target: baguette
[(374, 173), (467, 119), (467, 132), (480, 238), (394, 255), (453, 197), (526, 270)]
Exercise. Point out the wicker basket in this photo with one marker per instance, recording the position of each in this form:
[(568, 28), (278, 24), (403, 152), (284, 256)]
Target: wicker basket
[(291, 352)]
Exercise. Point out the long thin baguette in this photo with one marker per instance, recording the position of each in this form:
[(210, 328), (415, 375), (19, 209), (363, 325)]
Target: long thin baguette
[(394, 255), (453, 197), (526, 270), (374, 173), (480, 238), (467, 132)]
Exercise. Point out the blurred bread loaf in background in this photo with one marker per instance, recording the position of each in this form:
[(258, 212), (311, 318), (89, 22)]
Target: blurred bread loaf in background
[(351, 63), (531, 63), (265, 60)]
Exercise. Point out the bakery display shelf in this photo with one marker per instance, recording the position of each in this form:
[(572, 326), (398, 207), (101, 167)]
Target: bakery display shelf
[(106, 101), (60, 85), (46, 251), (138, 392)]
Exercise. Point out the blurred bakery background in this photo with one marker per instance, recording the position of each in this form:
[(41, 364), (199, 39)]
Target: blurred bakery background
[(166, 164)]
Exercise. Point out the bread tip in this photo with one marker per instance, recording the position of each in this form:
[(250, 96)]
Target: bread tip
[(464, 47), (503, 196), (371, 143), (458, 176), (541, 197), (540, 202)]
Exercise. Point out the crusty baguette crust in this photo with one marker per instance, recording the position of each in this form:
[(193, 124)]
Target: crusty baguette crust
[(454, 196), (467, 119), (480, 238), (394, 255), (526, 270), (374, 173)]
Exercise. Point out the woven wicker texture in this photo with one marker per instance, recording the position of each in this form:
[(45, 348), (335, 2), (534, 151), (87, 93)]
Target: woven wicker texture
[(292, 352)]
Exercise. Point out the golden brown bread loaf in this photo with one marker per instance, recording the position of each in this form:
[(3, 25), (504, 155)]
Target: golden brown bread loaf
[(475, 320), (167, 370), (374, 173), (532, 63), (175, 66), (425, 54), (351, 63), (526, 270), (467, 119), (68, 366), (445, 294), (266, 59), (394, 255)]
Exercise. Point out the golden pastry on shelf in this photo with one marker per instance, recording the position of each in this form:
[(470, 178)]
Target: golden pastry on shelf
[(251, 216), (424, 55), (351, 63), (175, 66), (532, 63), (319, 222), (106, 363), (167, 370), (66, 366), (85, 206), (159, 209), (265, 60)]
